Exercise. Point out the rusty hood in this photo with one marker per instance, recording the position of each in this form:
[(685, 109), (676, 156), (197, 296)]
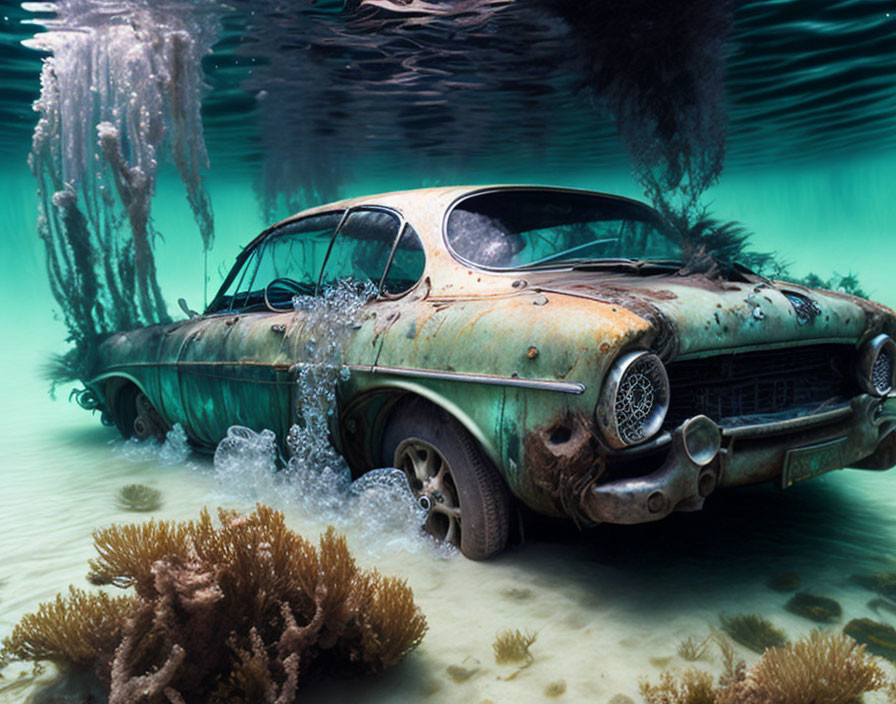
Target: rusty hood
[(693, 315)]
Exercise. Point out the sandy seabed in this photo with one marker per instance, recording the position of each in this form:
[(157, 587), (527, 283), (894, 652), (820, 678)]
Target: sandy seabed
[(609, 606)]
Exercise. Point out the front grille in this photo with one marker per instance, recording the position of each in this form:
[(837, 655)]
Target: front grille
[(731, 386)]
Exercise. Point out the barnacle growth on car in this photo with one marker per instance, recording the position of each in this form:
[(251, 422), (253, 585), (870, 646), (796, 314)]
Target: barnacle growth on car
[(245, 610), (818, 669)]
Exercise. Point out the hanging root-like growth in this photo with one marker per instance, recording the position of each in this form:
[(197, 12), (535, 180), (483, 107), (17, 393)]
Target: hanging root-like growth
[(242, 610), (117, 90), (819, 669)]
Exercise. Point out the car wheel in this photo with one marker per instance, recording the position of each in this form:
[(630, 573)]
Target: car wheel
[(135, 415), (468, 502)]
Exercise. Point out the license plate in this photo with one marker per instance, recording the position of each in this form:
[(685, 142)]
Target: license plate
[(807, 462)]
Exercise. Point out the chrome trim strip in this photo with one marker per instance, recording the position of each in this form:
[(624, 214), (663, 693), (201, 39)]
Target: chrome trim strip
[(568, 387), (788, 425)]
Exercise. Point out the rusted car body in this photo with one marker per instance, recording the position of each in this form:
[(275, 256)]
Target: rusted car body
[(605, 389)]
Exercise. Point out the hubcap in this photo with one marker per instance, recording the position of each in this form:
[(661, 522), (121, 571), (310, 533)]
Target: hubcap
[(433, 485)]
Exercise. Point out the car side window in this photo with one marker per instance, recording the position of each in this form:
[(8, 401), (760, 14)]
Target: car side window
[(285, 264), (361, 248), (407, 263)]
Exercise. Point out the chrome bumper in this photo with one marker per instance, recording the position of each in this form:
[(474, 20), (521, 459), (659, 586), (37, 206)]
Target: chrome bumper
[(790, 450)]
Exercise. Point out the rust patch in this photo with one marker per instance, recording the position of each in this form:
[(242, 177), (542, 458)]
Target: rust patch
[(563, 459), (532, 352)]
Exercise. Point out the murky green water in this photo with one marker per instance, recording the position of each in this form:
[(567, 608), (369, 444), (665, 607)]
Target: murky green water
[(609, 606)]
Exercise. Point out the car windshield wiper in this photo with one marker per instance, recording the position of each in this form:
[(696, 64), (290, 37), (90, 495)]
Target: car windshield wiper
[(616, 263)]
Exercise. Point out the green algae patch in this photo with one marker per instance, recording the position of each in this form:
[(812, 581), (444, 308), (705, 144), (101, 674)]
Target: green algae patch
[(878, 638), (883, 583), (138, 497), (820, 609), (785, 582), (753, 631)]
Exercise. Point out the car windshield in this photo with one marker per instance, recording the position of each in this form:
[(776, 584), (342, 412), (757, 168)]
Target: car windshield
[(534, 228)]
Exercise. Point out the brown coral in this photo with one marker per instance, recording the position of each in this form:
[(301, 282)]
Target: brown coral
[(692, 687), (820, 669), (69, 631), (239, 611)]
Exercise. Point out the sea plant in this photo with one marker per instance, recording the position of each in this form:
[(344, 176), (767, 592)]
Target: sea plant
[(878, 638), (753, 631), (785, 582), (138, 497), (691, 687), (245, 610), (883, 583), (691, 649), (513, 646), (817, 608), (819, 669)]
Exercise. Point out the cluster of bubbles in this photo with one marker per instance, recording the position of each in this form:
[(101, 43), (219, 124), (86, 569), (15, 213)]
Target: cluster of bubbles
[(174, 450), (379, 506)]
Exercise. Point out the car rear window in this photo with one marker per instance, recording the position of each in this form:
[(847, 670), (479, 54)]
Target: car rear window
[(529, 227)]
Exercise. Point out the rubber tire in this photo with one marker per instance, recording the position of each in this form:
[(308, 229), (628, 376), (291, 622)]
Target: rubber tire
[(126, 410), (482, 495)]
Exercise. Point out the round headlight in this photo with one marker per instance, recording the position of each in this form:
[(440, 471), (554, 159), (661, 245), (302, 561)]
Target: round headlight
[(877, 366), (634, 399)]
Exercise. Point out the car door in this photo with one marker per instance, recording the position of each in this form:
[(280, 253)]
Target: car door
[(235, 363)]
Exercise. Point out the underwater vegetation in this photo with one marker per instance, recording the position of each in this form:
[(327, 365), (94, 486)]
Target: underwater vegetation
[(513, 646), (817, 608), (96, 150), (785, 582), (818, 669), (693, 650), (753, 631), (138, 497), (879, 638), (245, 610), (884, 583)]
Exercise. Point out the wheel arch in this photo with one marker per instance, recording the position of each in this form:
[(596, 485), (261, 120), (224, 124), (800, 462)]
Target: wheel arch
[(369, 411)]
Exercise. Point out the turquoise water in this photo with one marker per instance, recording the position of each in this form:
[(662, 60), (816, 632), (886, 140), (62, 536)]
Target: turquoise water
[(810, 170)]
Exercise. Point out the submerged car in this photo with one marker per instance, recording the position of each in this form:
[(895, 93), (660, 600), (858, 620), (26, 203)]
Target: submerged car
[(525, 344)]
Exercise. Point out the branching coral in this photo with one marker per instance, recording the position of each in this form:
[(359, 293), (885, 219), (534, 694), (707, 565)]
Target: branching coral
[(242, 610), (820, 669), (692, 687), (71, 631)]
